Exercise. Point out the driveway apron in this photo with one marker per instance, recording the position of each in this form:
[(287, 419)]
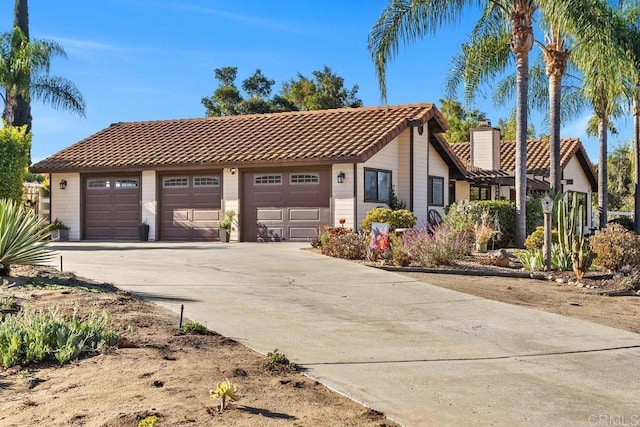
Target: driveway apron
[(423, 355)]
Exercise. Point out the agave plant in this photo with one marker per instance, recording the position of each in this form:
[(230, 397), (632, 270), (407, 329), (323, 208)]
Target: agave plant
[(22, 235)]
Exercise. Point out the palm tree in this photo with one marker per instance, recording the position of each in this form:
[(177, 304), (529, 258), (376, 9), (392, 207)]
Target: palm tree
[(604, 75), (406, 20), (630, 12), (22, 109), (24, 72)]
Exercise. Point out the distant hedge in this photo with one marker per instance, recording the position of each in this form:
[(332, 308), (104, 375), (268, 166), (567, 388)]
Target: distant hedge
[(15, 144)]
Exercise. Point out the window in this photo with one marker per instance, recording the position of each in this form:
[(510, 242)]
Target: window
[(99, 183), (206, 181), (127, 183), (436, 191), (175, 182), (377, 185), (304, 178), (267, 179), (480, 193)]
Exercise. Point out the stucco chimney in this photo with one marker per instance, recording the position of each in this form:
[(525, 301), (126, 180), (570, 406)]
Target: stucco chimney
[(485, 146)]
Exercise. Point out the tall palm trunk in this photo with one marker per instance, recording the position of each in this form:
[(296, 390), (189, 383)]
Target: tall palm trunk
[(636, 158), (555, 58), (521, 44), (603, 200), (21, 103)]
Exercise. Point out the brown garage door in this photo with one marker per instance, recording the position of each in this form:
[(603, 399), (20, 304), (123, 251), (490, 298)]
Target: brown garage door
[(112, 208), (285, 205), (190, 207)]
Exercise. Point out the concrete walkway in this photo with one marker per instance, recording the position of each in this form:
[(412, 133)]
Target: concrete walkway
[(423, 355)]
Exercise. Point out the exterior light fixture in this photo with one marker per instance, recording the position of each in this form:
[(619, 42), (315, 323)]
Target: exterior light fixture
[(341, 176), (63, 184)]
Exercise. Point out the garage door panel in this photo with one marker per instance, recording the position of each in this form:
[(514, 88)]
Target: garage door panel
[(272, 198), (208, 215), (304, 214), (301, 233), (270, 214), (205, 233)]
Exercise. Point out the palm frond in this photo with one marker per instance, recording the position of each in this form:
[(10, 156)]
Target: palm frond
[(59, 93), (405, 22)]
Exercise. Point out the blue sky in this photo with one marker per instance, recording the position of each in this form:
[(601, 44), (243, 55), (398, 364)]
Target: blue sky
[(154, 59)]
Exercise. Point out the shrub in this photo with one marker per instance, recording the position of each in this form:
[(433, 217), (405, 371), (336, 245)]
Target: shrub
[(625, 221), (21, 237), (440, 245), (531, 260), (460, 216), (15, 144), (347, 246), (536, 239), (150, 421), (195, 328), (399, 255), (34, 336), (615, 247), (396, 219)]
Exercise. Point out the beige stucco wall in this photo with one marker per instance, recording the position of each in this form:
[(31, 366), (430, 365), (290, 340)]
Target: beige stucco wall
[(65, 204), (149, 202), (574, 171), (386, 158), (231, 198), (342, 197), (437, 167), (420, 174)]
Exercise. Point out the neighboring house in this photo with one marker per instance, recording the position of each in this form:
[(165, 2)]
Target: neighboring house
[(490, 166), (284, 174)]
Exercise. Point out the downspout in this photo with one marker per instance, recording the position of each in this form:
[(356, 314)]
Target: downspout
[(411, 169), (355, 196)]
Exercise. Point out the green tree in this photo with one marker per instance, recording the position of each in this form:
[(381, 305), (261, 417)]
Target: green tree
[(460, 120), (14, 155), (325, 90), (409, 20), (226, 99), (603, 70), (24, 72), (508, 128), (620, 178)]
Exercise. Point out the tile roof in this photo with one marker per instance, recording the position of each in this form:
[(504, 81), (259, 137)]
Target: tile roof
[(537, 156), (340, 135)]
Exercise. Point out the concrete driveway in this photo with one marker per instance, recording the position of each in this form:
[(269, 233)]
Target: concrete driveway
[(423, 355)]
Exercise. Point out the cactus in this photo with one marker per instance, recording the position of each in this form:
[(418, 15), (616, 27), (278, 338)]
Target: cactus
[(570, 223), (582, 256), (572, 244)]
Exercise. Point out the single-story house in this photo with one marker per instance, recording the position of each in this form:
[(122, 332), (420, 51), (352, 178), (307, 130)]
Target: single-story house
[(284, 174), (490, 168)]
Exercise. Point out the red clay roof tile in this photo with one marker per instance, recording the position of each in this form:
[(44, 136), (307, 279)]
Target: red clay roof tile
[(328, 135)]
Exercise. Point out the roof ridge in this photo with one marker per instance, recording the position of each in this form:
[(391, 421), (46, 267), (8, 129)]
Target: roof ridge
[(278, 114)]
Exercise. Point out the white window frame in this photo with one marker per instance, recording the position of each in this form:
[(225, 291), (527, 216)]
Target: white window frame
[(135, 181), (214, 178), (106, 181), (174, 180), (307, 178), (270, 178)]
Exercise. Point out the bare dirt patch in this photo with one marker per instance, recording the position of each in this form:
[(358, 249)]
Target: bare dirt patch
[(166, 374)]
